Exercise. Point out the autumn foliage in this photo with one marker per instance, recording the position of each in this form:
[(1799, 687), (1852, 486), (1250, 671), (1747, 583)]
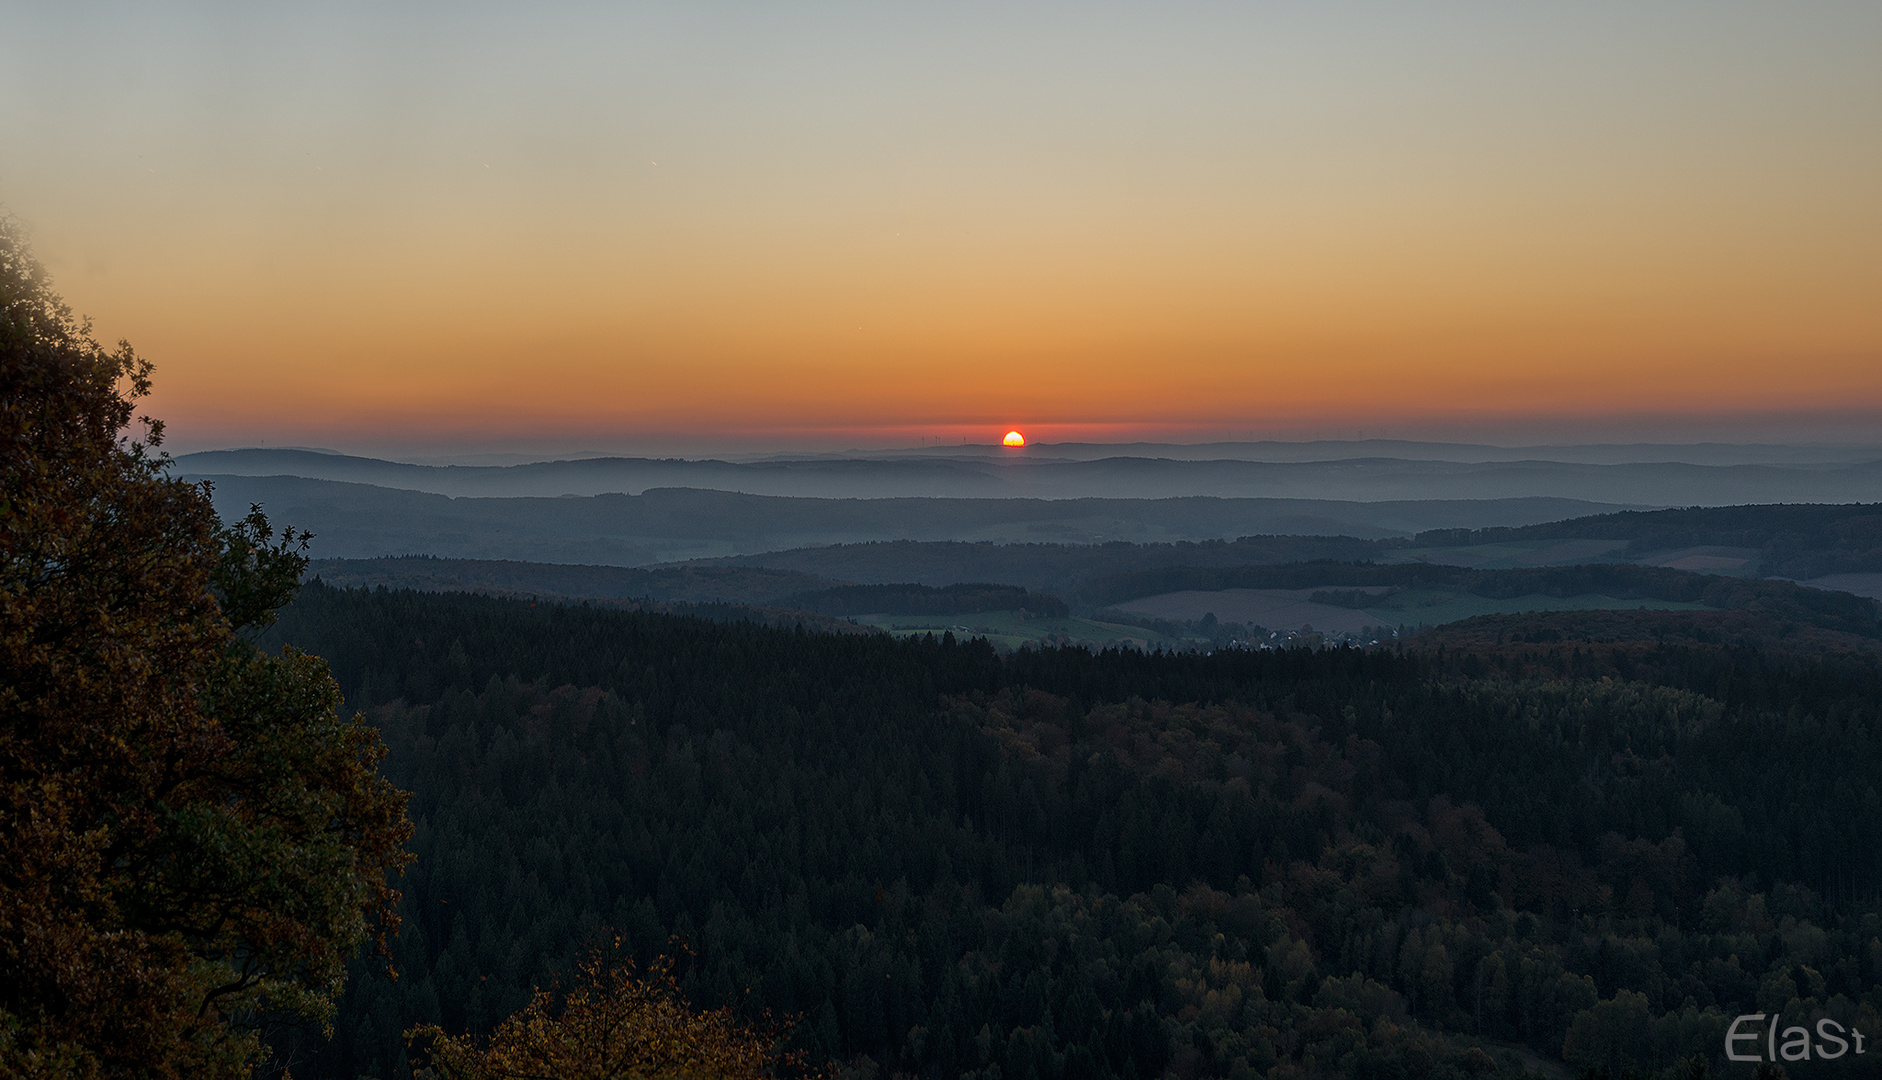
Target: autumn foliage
[(614, 1022), (193, 841)]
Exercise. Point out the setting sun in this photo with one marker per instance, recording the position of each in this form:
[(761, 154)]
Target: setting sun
[(1014, 438)]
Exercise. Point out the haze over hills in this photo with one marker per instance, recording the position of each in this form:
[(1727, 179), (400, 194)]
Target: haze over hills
[(1365, 472), (1178, 594), (644, 511), (672, 524), (1414, 450)]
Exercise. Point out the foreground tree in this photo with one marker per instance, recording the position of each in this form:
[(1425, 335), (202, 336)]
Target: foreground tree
[(192, 840), (614, 1022)]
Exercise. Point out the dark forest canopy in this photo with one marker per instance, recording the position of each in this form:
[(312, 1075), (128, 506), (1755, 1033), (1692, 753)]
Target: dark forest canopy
[(1055, 865)]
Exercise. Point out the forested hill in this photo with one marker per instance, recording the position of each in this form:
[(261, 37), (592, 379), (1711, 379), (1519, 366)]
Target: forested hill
[(1057, 865), (1794, 541), (1773, 599), (571, 581)]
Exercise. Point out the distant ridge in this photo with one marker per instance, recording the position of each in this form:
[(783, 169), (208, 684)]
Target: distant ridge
[(1036, 473), (1413, 450)]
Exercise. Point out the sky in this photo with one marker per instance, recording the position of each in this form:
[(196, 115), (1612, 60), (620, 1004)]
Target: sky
[(807, 224)]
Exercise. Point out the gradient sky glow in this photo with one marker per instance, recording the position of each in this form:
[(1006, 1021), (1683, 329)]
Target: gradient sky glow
[(843, 224)]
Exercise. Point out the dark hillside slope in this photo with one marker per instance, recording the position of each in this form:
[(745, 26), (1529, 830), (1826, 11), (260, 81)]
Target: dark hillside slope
[(1046, 567), (1058, 865), (1794, 540), (1629, 632), (572, 581), (1772, 599)]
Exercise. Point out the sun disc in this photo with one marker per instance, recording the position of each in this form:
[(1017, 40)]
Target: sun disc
[(1014, 438)]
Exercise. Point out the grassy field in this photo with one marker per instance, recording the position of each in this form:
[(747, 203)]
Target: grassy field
[(1011, 629), (1411, 607), (1276, 609), (1423, 607)]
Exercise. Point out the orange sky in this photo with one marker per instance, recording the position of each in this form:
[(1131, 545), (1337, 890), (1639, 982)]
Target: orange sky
[(843, 224)]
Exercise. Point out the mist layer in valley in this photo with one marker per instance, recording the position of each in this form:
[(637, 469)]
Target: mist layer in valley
[(1256, 590), (647, 511), (672, 524)]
